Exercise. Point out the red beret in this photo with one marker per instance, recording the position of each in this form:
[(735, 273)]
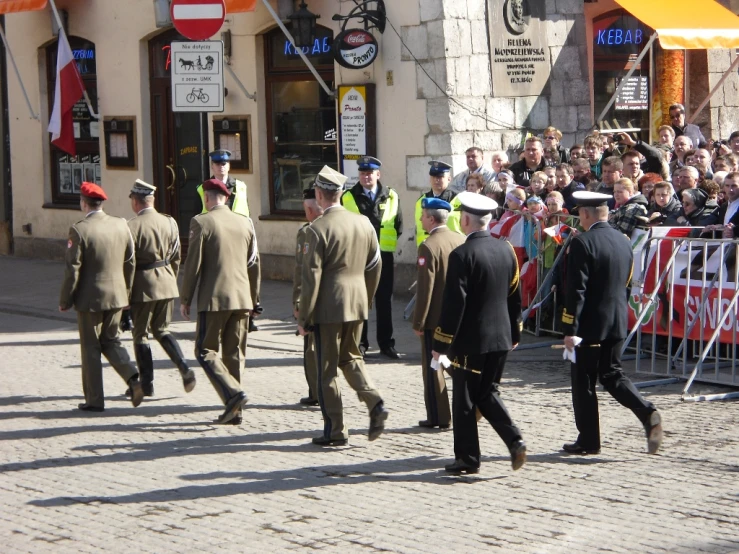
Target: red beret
[(91, 190), (216, 185)]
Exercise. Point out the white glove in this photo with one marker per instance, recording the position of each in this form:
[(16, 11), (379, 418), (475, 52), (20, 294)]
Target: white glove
[(443, 361), (570, 354)]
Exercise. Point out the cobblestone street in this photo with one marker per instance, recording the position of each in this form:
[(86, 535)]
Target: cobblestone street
[(164, 478)]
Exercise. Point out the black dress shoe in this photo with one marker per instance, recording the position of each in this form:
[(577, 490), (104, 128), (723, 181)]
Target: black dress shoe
[(233, 406), (378, 415), (362, 350), (148, 390), (188, 380), (654, 432), (390, 352), (137, 392), (518, 454), (576, 448), (236, 421), (430, 425), (308, 401), (89, 408), (252, 326), (323, 441), (459, 467)]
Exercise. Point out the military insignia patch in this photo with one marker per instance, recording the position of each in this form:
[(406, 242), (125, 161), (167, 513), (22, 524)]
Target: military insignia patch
[(69, 243), (422, 261)]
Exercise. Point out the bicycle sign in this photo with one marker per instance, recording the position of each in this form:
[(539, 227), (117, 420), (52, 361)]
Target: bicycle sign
[(197, 76)]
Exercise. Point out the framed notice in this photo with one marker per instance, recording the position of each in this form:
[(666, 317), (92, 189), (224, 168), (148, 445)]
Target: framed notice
[(233, 133), (357, 128), (120, 142)]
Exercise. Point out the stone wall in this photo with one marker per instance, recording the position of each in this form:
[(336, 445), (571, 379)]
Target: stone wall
[(453, 75)]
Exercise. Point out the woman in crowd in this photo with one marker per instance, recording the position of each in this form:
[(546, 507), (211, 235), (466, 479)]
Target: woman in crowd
[(694, 212), (646, 184), (475, 183), (506, 179)]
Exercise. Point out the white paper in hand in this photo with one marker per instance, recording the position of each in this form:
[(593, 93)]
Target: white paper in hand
[(443, 361), (570, 354)]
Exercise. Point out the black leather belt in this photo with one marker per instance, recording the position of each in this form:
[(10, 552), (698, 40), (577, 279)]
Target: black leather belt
[(161, 263)]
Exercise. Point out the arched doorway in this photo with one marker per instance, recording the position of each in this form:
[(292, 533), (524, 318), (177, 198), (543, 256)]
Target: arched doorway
[(179, 141)]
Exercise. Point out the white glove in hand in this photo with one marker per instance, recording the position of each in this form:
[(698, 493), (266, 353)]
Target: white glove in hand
[(570, 354)]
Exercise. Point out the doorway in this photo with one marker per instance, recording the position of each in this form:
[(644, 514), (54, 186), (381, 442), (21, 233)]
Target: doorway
[(179, 139)]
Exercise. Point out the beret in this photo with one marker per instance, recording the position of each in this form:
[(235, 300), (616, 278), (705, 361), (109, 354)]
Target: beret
[(91, 190)]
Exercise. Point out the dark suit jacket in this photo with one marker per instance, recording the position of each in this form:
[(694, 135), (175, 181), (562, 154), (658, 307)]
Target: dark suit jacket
[(481, 310), (599, 267)]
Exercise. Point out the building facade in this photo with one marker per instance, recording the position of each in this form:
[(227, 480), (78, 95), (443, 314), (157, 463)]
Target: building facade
[(450, 74)]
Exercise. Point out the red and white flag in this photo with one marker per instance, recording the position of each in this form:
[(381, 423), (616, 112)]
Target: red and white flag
[(69, 90)]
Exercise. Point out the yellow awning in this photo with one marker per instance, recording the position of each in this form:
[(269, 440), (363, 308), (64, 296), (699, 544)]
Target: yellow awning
[(687, 24), (235, 6), (13, 6)]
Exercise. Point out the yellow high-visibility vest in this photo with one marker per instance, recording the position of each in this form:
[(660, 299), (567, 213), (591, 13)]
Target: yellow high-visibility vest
[(388, 234), (453, 222)]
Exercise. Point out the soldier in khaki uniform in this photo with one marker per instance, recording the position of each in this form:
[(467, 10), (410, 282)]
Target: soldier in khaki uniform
[(157, 245), (222, 249), (433, 257), (341, 271), (97, 280), (312, 211)]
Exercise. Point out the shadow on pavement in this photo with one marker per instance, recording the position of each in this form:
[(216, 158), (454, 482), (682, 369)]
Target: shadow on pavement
[(147, 409), (54, 342)]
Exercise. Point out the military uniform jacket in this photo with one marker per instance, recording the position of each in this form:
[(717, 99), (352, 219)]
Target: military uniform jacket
[(341, 268), (481, 310), (298, 273), (374, 209), (99, 264), (599, 266), (221, 251), (156, 239), (433, 259)]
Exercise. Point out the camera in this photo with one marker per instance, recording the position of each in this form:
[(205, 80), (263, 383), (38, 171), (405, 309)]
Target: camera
[(719, 143), (618, 137)]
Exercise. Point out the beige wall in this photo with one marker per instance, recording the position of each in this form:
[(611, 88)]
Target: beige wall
[(120, 31)]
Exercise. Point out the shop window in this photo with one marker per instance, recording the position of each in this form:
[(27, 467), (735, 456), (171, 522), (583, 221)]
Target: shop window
[(68, 172), (301, 118), (618, 38)]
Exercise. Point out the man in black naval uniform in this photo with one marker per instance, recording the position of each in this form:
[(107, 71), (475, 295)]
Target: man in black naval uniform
[(480, 324), (379, 204), (599, 267)]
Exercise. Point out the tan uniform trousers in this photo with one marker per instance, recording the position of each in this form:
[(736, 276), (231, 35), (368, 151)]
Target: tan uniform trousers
[(153, 317), (337, 347), (99, 336), (309, 365), (225, 331), (435, 393)]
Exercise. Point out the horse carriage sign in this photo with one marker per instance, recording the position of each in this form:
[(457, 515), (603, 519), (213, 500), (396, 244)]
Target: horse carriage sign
[(197, 76)]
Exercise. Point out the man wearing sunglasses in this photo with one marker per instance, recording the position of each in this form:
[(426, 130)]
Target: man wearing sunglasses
[(677, 118)]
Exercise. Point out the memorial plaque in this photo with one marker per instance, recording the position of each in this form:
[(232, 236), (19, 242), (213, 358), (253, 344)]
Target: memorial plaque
[(519, 52)]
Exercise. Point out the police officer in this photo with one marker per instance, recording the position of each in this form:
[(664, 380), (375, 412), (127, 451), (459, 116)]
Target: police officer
[(220, 166), (599, 268), (433, 257), (312, 211), (222, 249), (480, 324), (97, 280), (157, 245), (341, 270), (381, 206), (440, 177)]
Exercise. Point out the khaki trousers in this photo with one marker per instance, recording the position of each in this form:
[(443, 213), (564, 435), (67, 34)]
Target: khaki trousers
[(99, 336), (224, 331), (435, 393), (309, 365), (337, 347), (153, 317)]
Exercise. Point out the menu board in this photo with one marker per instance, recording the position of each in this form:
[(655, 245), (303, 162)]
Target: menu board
[(634, 95)]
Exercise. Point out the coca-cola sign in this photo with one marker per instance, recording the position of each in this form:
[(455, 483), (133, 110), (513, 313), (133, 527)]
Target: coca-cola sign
[(355, 48)]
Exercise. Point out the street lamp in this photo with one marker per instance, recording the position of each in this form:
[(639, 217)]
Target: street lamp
[(303, 26), (161, 13)]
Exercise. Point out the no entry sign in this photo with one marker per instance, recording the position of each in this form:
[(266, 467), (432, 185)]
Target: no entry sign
[(198, 19)]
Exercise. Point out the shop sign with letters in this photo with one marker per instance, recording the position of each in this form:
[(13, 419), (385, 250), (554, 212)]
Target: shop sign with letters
[(355, 48)]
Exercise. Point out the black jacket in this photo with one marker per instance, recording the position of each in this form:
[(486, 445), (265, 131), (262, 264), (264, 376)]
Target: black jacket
[(374, 210), (653, 159), (670, 210), (599, 266), (522, 174), (481, 309)]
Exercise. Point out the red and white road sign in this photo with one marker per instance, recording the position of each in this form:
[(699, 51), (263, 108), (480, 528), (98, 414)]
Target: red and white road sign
[(198, 19)]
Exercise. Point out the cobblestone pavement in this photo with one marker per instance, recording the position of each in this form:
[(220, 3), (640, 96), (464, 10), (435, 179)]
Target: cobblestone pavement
[(163, 477)]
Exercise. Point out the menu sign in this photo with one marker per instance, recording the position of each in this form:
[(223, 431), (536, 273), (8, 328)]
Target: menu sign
[(353, 121), (634, 95)]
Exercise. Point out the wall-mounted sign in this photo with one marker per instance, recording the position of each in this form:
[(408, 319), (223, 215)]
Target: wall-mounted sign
[(634, 95), (197, 76), (357, 126), (519, 51), (355, 48)]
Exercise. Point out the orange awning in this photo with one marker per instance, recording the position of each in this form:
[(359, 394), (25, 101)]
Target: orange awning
[(687, 24), (13, 6), (236, 6)]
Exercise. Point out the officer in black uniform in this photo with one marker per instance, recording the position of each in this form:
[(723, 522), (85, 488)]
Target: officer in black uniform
[(599, 268), (380, 204), (480, 324)]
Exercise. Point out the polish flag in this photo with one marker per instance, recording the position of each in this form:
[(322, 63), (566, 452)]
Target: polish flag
[(69, 90)]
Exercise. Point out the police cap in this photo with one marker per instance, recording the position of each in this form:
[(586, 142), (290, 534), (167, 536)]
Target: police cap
[(220, 156), (368, 163), (439, 168)]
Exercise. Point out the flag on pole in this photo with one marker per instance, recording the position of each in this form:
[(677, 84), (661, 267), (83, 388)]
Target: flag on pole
[(68, 91)]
